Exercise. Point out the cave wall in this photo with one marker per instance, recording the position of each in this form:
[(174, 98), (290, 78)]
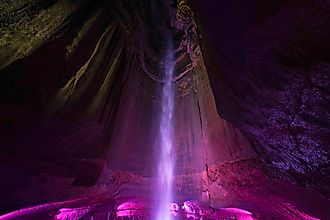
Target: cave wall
[(80, 90), (73, 87), (269, 71), (56, 56)]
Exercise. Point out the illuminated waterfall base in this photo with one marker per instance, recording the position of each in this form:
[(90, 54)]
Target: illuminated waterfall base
[(166, 162)]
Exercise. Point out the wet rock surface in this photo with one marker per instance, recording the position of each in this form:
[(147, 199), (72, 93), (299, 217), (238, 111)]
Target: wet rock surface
[(236, 190)]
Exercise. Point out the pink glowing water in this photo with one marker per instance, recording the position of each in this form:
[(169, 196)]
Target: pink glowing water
[(136, 209), (166, 163)]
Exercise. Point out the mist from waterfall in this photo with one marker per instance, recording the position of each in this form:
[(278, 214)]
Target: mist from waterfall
[(166, 161)]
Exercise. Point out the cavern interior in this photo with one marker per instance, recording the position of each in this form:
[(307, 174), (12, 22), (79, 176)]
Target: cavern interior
[(165, 109)]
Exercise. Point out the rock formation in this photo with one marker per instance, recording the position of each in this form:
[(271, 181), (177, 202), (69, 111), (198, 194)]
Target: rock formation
[(80, 91)]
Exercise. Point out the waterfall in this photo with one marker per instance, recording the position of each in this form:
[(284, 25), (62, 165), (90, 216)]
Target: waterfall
[(166, 162)]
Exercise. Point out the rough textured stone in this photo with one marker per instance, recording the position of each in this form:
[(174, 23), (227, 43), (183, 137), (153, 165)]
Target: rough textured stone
[(271, 80)]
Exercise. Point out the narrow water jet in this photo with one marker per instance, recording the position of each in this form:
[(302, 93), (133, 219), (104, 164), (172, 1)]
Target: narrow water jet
[(166, 162)]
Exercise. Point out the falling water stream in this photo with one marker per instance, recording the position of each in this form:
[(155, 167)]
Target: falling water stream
[(166, 163)]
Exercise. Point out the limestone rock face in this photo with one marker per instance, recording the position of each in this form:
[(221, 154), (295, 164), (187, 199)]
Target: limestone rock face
[(269, 71), (80, 102)]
